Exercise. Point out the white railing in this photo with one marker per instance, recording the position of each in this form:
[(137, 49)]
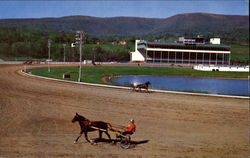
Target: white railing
[(222, 68)]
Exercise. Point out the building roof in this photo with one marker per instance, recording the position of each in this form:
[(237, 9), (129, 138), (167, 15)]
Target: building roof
[(182, 44)]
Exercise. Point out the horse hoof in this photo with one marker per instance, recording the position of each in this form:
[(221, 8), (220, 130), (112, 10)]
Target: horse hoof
[(92, 142), (74, 142)]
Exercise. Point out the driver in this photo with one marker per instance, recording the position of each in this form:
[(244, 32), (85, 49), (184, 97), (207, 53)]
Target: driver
[(130, 129)]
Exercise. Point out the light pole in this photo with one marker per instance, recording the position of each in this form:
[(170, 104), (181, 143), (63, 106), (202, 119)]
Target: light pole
[(94, 50), (64, 45), (79, 40), (49, 44)]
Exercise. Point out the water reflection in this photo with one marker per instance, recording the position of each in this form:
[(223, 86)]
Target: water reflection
[(188, 84)]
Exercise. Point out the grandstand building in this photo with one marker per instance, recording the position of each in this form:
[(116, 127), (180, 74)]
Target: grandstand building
[(184, 51)]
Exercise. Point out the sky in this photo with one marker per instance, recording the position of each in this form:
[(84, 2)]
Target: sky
[(114, 8)]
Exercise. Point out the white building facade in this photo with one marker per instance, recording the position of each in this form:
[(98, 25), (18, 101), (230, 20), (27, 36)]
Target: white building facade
[(215, 40), (181, 53)]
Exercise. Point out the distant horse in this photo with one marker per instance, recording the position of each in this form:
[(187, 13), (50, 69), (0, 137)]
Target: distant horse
[(141, 86), (86, 126)]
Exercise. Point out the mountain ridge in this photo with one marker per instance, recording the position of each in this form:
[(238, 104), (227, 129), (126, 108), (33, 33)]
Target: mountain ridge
[(202, 23)]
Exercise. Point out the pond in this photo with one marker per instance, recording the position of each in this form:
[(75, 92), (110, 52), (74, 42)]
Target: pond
[(234, 87)]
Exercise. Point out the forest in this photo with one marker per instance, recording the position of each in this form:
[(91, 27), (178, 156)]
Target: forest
[(32, 44), (21, 43)]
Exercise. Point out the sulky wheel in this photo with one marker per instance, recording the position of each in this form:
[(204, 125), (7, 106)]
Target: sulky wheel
[(125, 143)]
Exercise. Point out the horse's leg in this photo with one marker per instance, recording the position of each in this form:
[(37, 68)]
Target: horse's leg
[(108, 135), (100, 134), (86, 136), (78, 137)]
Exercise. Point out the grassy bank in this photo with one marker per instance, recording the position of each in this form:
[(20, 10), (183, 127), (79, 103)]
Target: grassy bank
[(240, 54), (94, 74)]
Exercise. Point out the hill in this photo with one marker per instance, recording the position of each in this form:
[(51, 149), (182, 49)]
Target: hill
[(197, 23)]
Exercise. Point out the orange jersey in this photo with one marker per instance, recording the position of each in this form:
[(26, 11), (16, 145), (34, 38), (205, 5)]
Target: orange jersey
[(131, 128)]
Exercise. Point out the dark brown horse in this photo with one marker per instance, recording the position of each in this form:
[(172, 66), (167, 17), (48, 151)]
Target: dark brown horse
[(141, 86), (86, 126)]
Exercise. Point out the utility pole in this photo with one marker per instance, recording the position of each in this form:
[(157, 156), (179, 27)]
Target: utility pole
[(79, 40), (49, 44), (94, 50), (64, 45)]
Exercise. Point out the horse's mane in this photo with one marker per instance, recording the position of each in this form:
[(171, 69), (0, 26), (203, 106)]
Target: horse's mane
[(82, 118)]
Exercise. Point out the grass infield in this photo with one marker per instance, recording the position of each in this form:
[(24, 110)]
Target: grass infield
[(93, 74)]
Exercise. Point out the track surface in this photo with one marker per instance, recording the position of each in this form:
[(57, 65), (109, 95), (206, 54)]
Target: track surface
[(36, 121)]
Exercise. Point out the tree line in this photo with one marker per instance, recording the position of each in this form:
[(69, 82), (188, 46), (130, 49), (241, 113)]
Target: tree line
[(33, 44)]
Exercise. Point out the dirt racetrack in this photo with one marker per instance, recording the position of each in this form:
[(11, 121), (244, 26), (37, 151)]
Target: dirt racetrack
[(36, 119)]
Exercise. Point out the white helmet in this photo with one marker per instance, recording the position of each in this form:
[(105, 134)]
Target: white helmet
[(132, 120)]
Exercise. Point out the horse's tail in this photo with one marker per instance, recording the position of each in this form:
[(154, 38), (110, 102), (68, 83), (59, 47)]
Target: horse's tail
[(114, 128), (110, 127)]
